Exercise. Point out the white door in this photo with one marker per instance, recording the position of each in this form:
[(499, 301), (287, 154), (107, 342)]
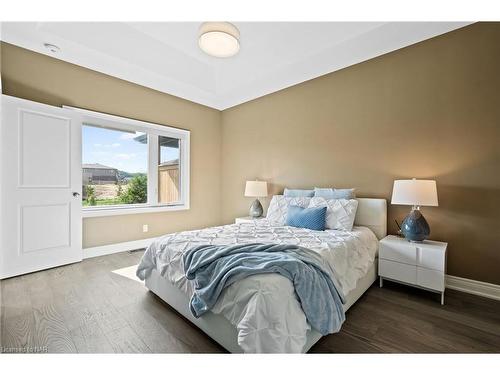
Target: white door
[(40, 190)]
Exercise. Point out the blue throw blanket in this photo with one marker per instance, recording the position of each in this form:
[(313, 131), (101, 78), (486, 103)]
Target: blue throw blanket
[(216, 267)]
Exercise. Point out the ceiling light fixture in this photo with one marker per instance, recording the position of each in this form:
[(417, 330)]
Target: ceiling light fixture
[(219, 39), (51, 47)]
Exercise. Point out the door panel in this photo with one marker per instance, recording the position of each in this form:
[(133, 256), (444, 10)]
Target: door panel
[(44, 150), (40, 168), (38, 234)]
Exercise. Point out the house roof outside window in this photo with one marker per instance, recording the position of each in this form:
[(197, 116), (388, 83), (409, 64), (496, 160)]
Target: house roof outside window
[(97, 166)]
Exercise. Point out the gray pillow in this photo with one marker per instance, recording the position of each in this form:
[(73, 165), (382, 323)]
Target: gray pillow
[(332, 193), (298, 193)]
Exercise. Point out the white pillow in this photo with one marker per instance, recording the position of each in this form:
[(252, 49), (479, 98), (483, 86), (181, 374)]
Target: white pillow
[(333, 193), (340, 213), (278, 208)]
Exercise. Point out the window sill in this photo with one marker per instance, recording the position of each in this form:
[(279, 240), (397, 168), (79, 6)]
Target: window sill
[(99, 212)]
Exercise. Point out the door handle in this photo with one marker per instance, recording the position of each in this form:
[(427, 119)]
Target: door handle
[(76, 194)]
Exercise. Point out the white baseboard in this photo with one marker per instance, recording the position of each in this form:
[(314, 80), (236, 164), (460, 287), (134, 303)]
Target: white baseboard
[(97, 251), (473, 287)]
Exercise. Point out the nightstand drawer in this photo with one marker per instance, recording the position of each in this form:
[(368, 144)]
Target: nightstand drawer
[(431, 258), (430, 279), (397, 271), (402, 251)]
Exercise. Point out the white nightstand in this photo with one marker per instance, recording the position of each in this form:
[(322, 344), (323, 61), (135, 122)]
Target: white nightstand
[(420, 264), (247, 219)]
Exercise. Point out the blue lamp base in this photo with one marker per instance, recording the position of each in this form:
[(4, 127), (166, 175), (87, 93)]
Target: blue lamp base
[(415, 227)]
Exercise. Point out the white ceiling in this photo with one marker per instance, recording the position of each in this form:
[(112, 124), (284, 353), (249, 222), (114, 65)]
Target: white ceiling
[(273, 55)]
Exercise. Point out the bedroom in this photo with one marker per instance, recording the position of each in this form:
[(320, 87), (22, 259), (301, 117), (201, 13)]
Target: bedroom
[(313, 137)]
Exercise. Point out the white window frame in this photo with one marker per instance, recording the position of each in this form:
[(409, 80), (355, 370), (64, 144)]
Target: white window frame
[(153, 131)]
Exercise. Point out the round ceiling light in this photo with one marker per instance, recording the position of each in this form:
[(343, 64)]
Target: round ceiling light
[(219, 39)]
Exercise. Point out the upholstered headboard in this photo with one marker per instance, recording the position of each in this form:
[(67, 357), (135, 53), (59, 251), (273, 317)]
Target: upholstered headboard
[(372, 213)]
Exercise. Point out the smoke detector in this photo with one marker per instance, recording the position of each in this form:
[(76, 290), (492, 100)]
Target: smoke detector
[(51, 47)]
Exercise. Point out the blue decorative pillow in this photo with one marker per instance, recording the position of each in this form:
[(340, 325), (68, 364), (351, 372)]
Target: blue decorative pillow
[(298, 193), (330, 193), (310, 218)]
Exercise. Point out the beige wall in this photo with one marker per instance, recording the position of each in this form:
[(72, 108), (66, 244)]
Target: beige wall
[(36, 77), (431, 110)]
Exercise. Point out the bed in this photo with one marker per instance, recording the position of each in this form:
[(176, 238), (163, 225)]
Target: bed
[(242, 321)]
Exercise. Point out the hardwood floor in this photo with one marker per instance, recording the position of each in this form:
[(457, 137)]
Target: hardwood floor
[(86, 308)]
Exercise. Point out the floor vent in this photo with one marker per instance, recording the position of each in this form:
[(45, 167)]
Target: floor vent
[(133, 251)]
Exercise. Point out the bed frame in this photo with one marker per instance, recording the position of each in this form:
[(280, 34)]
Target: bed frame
[(371, 213)]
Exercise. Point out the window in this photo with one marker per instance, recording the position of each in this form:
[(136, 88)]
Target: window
[(130, 166), (168, 170), (114, 167)]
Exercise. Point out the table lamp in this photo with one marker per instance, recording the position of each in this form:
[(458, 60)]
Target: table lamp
[(415, 193), (256, 189)]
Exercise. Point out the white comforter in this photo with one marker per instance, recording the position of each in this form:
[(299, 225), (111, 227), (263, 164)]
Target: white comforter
[(264, 308)]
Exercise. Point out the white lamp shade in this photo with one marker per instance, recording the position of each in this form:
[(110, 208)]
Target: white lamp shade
[(415, 192), (256, 189)]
